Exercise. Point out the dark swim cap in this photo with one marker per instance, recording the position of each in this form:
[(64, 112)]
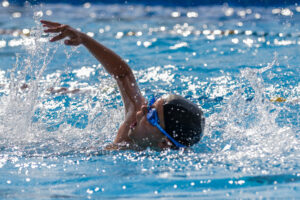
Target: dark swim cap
[(184, 120)]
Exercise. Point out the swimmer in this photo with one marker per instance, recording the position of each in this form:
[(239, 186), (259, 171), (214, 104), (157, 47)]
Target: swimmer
[(169, 122)]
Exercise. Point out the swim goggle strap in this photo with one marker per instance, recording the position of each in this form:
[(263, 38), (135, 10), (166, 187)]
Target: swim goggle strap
[(153, 119)]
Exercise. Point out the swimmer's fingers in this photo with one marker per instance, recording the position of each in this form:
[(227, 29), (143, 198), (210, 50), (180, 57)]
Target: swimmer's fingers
[(58, 37), (64, 30), (73, 41), (58, 29), (50, 24)]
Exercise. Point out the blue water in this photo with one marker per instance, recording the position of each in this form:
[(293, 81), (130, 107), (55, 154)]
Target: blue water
[(240, 64)]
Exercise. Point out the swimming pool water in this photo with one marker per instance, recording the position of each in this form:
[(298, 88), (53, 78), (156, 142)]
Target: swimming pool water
[(240, 64)]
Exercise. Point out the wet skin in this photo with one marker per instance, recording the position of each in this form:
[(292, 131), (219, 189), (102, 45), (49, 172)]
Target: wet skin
[(146, 135)]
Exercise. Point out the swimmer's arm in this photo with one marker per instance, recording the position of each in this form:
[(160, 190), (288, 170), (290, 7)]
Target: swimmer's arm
[(119, 69), (113, 63)]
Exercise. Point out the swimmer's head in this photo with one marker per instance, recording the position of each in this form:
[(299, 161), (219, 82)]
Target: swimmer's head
[(181, 119), (184, 120)]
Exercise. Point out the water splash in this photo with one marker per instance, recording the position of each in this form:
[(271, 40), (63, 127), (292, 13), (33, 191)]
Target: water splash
[(25, 90), (35, 122), (246, 135)]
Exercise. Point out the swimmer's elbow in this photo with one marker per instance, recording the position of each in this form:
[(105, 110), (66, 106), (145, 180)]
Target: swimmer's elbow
[(123, 74)]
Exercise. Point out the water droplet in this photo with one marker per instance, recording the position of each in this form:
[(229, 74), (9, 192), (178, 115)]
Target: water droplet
[(229, 12), (286, 12), (276, 11), (175, 14), (147, 44), (257, 16), (38, 14), (119, 35), (87, 5), (192, 14), (89, 191), (91, 34), (49, 12), (5, 4), (2, 43), (16, 15)]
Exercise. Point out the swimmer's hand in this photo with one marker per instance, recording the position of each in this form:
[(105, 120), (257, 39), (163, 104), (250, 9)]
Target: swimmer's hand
[(118, 147), (75, 37)]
